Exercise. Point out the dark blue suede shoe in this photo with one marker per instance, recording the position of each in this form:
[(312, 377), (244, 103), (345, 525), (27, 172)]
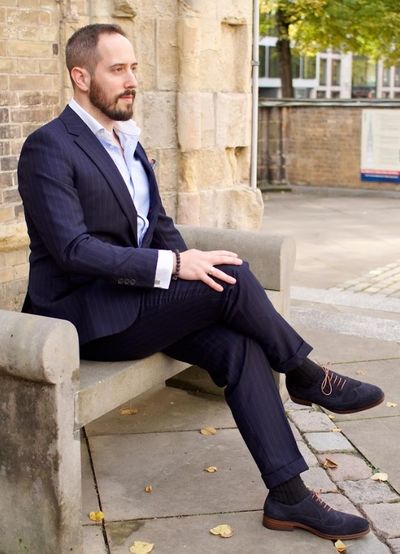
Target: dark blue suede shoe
[(336, 393), (312, 514)]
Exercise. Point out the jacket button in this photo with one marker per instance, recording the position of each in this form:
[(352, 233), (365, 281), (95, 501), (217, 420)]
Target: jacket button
[(120, 281), (133, 282), (127, 281)]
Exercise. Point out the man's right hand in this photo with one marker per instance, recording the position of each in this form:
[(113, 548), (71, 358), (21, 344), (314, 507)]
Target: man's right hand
[(197, 265)]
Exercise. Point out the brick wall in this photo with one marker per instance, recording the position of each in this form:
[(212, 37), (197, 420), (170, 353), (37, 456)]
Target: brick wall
[(315, 144)]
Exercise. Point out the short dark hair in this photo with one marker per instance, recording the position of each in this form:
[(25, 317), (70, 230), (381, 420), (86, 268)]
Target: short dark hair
[(81, 49)]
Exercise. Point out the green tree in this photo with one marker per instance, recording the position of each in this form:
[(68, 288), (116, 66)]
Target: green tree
[(365, 27)]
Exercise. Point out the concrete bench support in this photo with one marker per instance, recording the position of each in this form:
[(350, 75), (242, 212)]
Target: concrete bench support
[(47, 395)]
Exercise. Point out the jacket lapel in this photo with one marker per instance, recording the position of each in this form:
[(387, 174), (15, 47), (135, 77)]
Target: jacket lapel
[(92, 147), (155, 201)]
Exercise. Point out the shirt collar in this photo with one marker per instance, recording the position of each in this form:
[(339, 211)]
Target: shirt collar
[(126, 130)]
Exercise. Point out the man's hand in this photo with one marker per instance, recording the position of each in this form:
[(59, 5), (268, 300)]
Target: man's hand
[(197, 265)]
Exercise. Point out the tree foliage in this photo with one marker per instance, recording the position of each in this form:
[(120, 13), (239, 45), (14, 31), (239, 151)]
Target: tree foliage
[(366, 27)]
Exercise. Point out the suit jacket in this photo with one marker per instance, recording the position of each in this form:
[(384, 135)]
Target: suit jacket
[(85, 264)]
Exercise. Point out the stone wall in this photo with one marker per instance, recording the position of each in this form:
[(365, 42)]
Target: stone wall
[(194, 105), (314, 143)]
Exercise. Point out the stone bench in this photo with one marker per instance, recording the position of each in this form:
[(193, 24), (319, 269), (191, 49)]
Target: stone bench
[(47, 395)]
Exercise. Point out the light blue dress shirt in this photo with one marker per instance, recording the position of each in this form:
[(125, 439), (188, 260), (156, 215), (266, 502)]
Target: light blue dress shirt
[(134, 177)]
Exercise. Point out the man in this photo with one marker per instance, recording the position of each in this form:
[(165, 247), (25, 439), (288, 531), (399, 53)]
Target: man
[(105, 256)]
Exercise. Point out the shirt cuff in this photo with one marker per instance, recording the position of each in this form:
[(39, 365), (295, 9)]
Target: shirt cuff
[(165, 264)]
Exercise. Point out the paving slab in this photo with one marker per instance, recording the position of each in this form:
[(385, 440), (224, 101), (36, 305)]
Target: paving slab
[(385, 518), (385, 374), (394, 545), (340, 502), (328, 442), (308, 455), (370, 544), (378, 440), (173, 463), (90, 502), (367, 491), (311, 421), (349, 467), (317, 480), (167, 409), (93, 540), (335, 347), (191, 535)]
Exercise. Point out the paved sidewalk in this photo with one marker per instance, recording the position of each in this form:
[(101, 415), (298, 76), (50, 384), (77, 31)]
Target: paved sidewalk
[(160, 445)]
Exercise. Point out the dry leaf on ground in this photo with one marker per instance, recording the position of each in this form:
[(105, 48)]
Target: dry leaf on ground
[(140, 547), (336, 430), (340, 546), (148, 488), (328, 463), (332, 416), (225, 531), (211, 469), (129, 411), (391, 404), (96, 516), (360, 372), (208, 431), (380, 476)]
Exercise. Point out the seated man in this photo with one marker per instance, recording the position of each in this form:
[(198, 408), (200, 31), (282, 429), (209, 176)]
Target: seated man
[(105, 256)]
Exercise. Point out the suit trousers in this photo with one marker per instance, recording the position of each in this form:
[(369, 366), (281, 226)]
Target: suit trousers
[(237, 336)]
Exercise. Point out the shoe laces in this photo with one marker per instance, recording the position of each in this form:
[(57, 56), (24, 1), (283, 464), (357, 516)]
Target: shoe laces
[(319, 500), (331, 380)]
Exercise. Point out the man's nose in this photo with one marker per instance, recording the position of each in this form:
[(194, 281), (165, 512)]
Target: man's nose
[(131, 80)]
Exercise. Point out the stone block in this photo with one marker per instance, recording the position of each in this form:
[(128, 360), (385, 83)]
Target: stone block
[(204, 8), (311, 421), (93, 540), (328, 442), (340, 502), (167, 169), (159, 119), (189, 43), (204, 169), (317, 480), (234, 10), (167, 66), (31, 49), (350, 467), (27, 66), (233, 119), (48, 33), (394, 544), (207, 120), (8, 65), (188, 208), (156, 8), (368, 491), (235, 56), (189, 121), (385, 518), (145, 49), (23, 82)]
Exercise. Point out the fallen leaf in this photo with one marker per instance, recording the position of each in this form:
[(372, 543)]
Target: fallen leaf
[(340, 546), (140, 547), (148, 488), (96, 516), (332, 416), (129, 411), (336, 430), (328, 463), (360, 372), (211, 469), (391, 404), (208, 431), (224, 531), (380, 476)]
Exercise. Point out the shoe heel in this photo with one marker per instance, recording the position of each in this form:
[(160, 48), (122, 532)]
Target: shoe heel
[(277, 525), (299, 401)]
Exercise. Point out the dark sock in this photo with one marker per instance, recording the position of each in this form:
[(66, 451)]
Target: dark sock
[(307, 373), (290, 492)]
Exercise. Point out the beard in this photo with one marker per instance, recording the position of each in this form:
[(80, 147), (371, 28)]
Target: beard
[(110, 108)]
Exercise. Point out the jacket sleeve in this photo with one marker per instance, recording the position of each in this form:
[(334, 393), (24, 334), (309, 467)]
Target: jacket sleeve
[(53, 209)]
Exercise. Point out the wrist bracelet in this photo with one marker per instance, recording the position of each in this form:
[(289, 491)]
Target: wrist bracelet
[(175, 275)]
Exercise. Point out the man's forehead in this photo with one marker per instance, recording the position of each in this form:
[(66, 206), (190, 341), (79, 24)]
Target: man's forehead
[(115, 48)]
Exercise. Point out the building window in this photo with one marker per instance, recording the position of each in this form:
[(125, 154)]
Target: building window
[(323, 71), (335, 72), (262, 61), (296, 61), (386, 77), (273, 65), (309, 67), (397, 76), (363, 78)]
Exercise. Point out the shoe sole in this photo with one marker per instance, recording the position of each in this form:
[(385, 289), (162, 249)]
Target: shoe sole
[(279, 525), (309, 403)]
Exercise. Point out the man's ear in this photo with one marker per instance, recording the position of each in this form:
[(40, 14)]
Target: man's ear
[(81, 78)]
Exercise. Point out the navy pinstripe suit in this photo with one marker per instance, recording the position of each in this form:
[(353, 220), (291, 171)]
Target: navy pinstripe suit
[(85, 267)]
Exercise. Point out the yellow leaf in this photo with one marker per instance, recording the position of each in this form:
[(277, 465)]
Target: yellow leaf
[(380, 476), (224, 531), (148, 488), (328, 463), (336, 430), (360, 372), (211, 469), (340, 546), (207, 431), (391, 404), (128, 411), (332, 416), (140, 547), (96, 516)]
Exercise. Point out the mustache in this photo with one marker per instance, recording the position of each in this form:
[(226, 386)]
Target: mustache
[(128, 92)]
